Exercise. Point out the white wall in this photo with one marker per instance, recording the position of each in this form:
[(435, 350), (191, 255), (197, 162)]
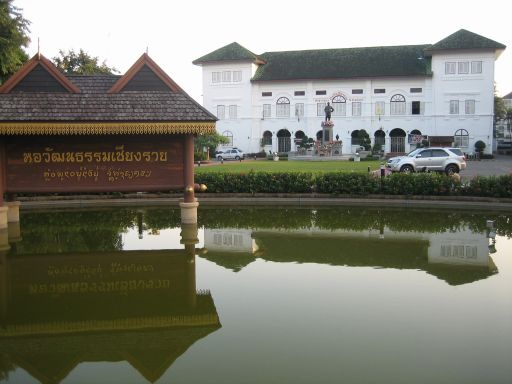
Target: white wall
[(478, 87), (435, 118)]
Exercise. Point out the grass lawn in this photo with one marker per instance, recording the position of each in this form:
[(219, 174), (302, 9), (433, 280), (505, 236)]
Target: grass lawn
[(287, 166)]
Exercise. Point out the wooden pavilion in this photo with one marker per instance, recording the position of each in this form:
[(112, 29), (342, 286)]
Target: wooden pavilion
[(97, 133)]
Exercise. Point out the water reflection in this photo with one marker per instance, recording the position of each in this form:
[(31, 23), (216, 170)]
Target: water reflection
[(455, 249), (71, 291), (70, 294)]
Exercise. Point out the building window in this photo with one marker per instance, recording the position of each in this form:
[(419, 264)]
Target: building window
[(221, 112), (216, 77), (283, 107), (321, 93), (469, 107), (380, 108), (416, 108), (379, 90), (267, 110), (299, 110), (397, 105), (449, 68), (461, 138), (357, 91), (339, 105), (463, 67), (320, 109), (476, 67), (237, 76), (454, 107), (356, 108), (266, 94), (299, 93), (416, 90), (229, 136), (232, 112), (267, 138), (226, 76)]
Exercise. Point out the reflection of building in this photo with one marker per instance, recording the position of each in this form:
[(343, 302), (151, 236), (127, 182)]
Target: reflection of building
[(58, 310), (397, 95), (457, 258)]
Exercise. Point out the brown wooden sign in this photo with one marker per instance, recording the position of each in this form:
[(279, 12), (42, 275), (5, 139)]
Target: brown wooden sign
[(94, 163)]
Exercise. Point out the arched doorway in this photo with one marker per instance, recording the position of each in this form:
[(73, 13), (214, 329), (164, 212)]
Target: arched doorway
[(380, 138), (354, 137), (415, 138), (397, 136), (228, 135), (284, 141), (299, 135), (319, 135), (267, 138)]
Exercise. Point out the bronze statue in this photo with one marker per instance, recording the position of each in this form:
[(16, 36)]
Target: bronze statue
[(328, 110)]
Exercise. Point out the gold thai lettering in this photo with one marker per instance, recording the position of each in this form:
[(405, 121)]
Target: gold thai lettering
[(27, 158), (117, 156), (70, 157)]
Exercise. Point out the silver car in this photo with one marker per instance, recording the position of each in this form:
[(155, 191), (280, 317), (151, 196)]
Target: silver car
[(439, 159)]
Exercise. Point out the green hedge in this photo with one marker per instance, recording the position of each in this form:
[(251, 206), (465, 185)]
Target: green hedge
[(337, 183)]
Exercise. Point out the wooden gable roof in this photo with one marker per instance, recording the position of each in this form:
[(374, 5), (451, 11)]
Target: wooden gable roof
[(39, 99), (39, 67), (145, 75)]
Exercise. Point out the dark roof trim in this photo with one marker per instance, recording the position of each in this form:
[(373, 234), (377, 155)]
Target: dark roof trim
[(135, 68), (29, 66), (337, 78)]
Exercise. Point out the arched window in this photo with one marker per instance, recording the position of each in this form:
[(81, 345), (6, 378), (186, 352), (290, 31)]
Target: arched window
[(267, 138), (461, 138), (397, 105), (339, 105), (229, 136), (283, 107)]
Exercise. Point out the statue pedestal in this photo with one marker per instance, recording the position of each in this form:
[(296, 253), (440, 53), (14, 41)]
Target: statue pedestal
[(327, 128)]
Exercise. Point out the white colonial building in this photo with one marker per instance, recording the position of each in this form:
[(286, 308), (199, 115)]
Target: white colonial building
[(399, 95)]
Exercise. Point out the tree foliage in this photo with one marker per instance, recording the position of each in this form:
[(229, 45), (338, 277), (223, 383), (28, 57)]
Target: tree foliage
[(81, 63), (500, 110), (13, 36), (209, 141)]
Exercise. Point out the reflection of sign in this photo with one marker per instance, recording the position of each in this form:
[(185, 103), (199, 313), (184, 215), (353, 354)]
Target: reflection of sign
[(113, 163)]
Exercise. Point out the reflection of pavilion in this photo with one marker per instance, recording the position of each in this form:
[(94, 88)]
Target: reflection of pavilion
[(61, 309), (457, 258)]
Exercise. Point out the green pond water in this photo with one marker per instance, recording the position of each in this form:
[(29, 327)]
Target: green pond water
[(257, 295)]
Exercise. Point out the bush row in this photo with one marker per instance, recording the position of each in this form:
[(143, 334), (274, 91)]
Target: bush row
[(426, 184)]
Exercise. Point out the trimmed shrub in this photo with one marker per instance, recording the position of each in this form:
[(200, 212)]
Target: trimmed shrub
[(338, 183)]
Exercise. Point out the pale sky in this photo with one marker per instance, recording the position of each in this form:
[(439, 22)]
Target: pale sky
[(178, 32)]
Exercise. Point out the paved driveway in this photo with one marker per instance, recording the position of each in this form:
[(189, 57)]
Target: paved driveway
[(500, 165)]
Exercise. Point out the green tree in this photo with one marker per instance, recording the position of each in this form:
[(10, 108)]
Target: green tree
[(13, 36), (500, 111), (209, 141), (81, 63)]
